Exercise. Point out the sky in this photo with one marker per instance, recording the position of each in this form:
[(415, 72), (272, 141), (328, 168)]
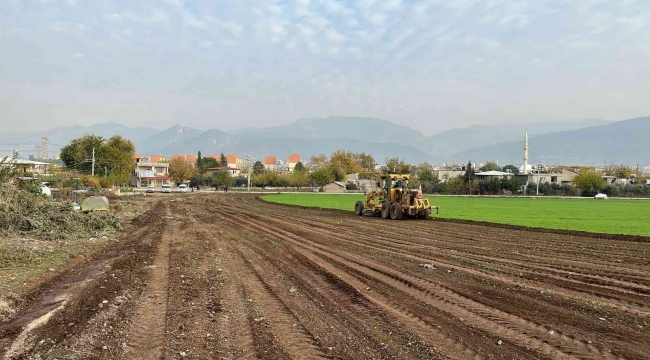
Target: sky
[(428, 64)]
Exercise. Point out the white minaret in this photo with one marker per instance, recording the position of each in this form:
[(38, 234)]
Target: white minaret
[(526, 153)]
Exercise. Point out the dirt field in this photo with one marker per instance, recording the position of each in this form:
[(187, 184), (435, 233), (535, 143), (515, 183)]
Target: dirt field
[(232, 277)]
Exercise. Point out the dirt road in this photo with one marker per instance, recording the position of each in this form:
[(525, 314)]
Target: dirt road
[(232, 277)]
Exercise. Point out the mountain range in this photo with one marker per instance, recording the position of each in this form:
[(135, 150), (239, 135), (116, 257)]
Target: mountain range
[(570, 142)]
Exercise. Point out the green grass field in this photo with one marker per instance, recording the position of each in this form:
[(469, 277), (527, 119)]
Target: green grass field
[(631, 217)]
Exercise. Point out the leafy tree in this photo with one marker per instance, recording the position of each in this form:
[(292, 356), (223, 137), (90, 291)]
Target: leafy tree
[(397, 166), (344, 162), (258, 168), (208, 163), (78, 151), (318, 161), (299, 167), (590, 182), (199, 163), (299, 178), (365, 161), (223, 161), (510, 183), (180, 170), (490, 166), (620, 171), (513, 169), (470, 174), (113, 157), (454, 186), (222, 178), (427, 175), (321, 176)]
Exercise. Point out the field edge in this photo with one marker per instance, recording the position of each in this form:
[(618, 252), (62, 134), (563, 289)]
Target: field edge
[(588, 234)]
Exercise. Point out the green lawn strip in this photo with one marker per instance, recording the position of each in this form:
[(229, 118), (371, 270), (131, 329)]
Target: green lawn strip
[(612, 216)]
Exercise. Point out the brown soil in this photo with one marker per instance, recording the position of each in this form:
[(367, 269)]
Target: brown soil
[(232, 277)]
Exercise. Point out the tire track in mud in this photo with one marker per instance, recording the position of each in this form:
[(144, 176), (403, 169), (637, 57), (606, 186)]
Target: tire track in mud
[(520, 331), (609, 283), (396, 309), (620, 304), (294, 338), (72, 299), (432, 333), (231, 336), (146, 336), (335, 313), (634, 305), (329, 244), (627, 329)]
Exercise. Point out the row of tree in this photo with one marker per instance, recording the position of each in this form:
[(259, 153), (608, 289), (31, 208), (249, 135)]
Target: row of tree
[(113, 158)]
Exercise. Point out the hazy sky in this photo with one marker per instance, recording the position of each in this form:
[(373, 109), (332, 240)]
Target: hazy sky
[(428, 64)]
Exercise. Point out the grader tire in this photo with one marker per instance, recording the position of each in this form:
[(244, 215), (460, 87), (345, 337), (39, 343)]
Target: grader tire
[(385, 210), (358, 208), (396, 212)]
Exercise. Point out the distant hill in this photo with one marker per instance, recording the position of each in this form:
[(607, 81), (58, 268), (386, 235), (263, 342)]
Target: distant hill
[(618, 142), (457, 140), (307, 137), (161, 142), (25, 142), (333, 127), (577, 142)]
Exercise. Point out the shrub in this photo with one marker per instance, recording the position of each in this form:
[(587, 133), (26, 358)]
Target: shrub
[(31, 215)]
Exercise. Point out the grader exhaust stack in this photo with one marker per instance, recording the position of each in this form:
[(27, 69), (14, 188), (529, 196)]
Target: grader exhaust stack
[(394, 200)]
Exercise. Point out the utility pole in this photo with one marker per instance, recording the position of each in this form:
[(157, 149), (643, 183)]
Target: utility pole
[(93, 162), (248, 161)]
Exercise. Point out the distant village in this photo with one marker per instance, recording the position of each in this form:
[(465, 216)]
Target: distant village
[(156, 171)]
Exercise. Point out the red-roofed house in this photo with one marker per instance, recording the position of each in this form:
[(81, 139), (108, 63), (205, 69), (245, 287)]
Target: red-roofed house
[(148, 172), (271, 163), (293, 160), (234, 161)]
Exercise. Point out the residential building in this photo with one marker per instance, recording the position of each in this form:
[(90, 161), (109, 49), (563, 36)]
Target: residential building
[(214, 156), (150, 173), (352, 177), (232, 171), (563, 177), (271, 163), (235, 161), (190, 158), (492, 174), (157, 158), (334, 187), (293, 160), (29, 166), (444, 175)]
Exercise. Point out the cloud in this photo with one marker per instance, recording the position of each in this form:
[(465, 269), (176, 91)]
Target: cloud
[(334, 36), (157, 16), (235, 29), (377, 18), (115, 18), (206, 44), (332, 6), (229, 43), (78, 55)]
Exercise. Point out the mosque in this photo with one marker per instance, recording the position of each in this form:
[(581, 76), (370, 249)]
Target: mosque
[(525, 169)]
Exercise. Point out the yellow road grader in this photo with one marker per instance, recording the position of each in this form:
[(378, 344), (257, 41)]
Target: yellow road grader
[(392, 199)]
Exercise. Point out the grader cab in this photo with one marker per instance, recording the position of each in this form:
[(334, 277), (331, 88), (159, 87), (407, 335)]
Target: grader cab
[(393, 199)]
